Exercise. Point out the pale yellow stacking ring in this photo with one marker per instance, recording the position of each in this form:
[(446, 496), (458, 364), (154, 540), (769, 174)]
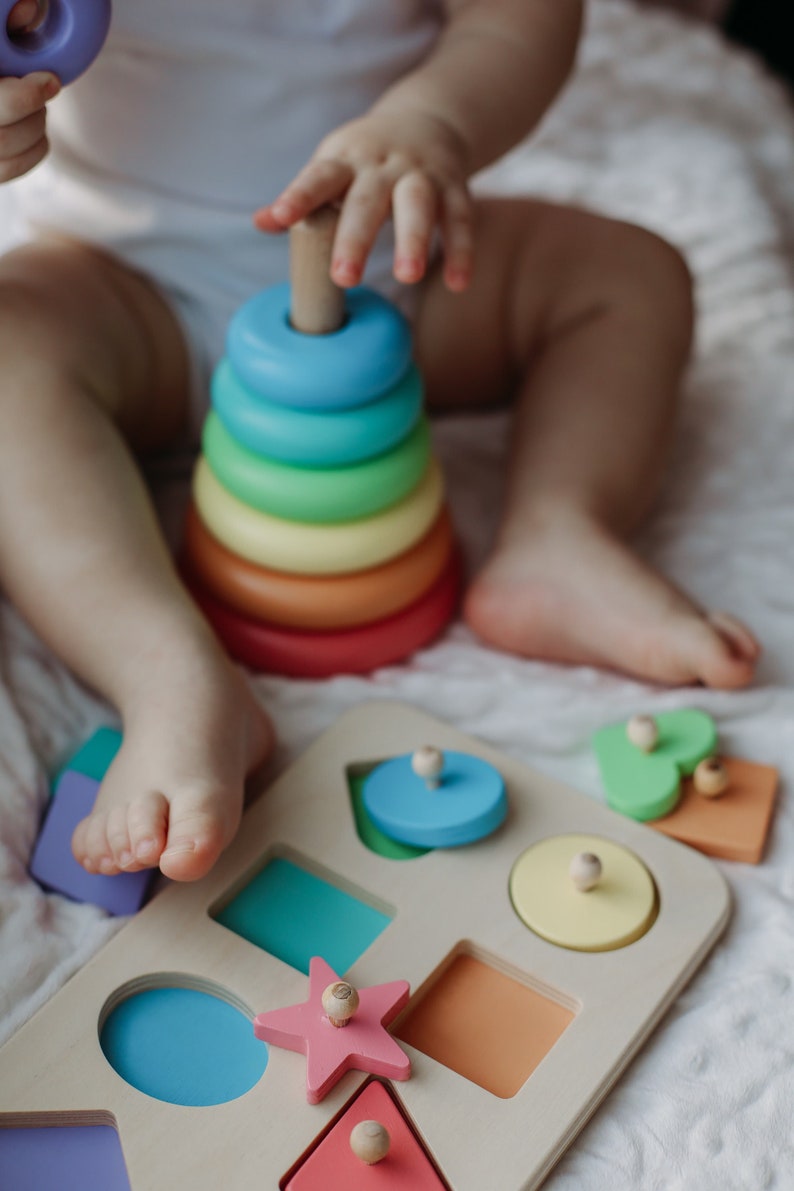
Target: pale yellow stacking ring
[(305, 549)]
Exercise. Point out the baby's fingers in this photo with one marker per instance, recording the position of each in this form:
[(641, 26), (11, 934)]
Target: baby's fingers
[(20, 98), (24, 16), (457, 234), (23, 140), (415, 209), (364, 211), (318, 183)]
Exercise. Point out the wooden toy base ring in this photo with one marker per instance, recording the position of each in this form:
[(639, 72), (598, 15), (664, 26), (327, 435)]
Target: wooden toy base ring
[(348, 651), (452, 926)]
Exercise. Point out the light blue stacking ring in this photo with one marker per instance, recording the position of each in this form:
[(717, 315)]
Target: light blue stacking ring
[(349, 367), (317, 495), (315, 439)]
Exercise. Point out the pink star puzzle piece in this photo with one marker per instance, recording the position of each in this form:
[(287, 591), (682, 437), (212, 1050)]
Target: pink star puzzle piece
[(362, 1045)]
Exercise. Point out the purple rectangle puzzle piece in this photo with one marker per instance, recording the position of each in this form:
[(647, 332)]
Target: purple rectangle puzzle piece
[(65, 1157), (54, 866)]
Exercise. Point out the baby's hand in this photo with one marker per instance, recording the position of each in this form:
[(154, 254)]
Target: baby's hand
[(23, 139), (412, 166)]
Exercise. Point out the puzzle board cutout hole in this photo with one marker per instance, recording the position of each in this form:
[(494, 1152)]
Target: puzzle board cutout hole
[(491, 1027), (38, 1157), (370, 835), (294, 913), (181, 1043)]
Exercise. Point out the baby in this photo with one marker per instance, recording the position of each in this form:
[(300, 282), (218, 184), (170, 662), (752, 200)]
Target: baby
[(136, 245)]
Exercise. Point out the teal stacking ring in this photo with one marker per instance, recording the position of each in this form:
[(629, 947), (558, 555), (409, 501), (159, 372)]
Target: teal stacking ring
[(316, 495), (316, 439), (346, 368)]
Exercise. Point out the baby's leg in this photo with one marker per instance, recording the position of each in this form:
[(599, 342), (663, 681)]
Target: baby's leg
[(588, 321), (92, 356)]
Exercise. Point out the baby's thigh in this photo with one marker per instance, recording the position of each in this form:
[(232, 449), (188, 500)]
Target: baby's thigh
[(539, 269), (77, 320)]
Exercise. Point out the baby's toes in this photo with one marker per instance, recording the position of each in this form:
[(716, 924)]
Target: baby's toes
[(118, 837), (147, 824), (197, 834), (90, 844), (719, 661)]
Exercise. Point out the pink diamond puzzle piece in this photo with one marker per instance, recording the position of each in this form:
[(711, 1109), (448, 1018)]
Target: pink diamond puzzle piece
[(362, 1045)]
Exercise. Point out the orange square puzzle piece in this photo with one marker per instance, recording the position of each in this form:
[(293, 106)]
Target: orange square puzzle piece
[(733, 826)]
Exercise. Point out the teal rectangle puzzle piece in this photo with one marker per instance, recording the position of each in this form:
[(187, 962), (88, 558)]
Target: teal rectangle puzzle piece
[(293, 914), (93, 758)]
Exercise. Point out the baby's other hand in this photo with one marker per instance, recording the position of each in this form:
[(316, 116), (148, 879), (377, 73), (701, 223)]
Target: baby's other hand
[(412, 166), (23, 139)]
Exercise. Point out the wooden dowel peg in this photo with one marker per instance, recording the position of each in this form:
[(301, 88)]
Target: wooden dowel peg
[(317, 305), (643, 732), (428, 763), (711, 778), (340, 1002), (585, 871), (370, 1141)]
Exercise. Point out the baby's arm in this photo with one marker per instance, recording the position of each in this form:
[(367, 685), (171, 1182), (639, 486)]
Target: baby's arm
[(23, 138), (492, 74)]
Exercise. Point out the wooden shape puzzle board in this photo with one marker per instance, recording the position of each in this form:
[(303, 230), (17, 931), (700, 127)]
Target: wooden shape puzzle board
[(441, 906)]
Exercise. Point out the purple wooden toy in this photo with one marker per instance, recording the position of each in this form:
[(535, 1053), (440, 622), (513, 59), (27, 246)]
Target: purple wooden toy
[(66, 42), (54, 866)]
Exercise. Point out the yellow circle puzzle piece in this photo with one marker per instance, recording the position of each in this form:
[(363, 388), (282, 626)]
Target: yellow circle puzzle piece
[(618, 910)]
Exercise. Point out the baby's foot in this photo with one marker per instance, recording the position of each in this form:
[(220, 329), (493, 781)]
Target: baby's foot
[(569, 591), (173, 796)]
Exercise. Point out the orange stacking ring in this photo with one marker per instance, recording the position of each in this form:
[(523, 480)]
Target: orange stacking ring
[(276, 650), (316, 601)]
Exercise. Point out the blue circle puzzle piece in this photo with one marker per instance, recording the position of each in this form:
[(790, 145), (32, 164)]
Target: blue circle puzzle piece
[(313, 438), (469, 803), (68, 38), (344, 369)]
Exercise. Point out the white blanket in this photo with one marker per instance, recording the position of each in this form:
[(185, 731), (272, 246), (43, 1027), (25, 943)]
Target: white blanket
[(667, 126)]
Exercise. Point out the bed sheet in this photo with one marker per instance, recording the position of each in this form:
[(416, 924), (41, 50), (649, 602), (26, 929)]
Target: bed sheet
[(665, 125)]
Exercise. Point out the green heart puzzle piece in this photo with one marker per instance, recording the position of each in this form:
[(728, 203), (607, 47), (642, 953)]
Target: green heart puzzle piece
[(648, 785)]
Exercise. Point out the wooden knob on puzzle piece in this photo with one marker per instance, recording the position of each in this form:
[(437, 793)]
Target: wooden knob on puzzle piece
[(710, 778), (643, 732), (585, 871), (428, 763), (340, 1002), (370, 1141)]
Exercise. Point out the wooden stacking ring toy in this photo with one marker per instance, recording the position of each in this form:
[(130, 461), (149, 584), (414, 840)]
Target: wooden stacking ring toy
[(311, 438), (69, 37), (353, 651), (316, 602), (317, 495), (352, 366), (304, 549)]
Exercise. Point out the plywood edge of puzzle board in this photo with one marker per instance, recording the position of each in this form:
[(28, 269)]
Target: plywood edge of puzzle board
[(54, 1063)]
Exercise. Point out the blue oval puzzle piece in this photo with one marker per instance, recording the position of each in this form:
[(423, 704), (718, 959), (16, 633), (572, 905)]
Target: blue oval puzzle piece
[(469, 803)]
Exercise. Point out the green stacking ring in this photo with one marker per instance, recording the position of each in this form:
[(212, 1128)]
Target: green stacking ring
[(303, 549), (318, 495)]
